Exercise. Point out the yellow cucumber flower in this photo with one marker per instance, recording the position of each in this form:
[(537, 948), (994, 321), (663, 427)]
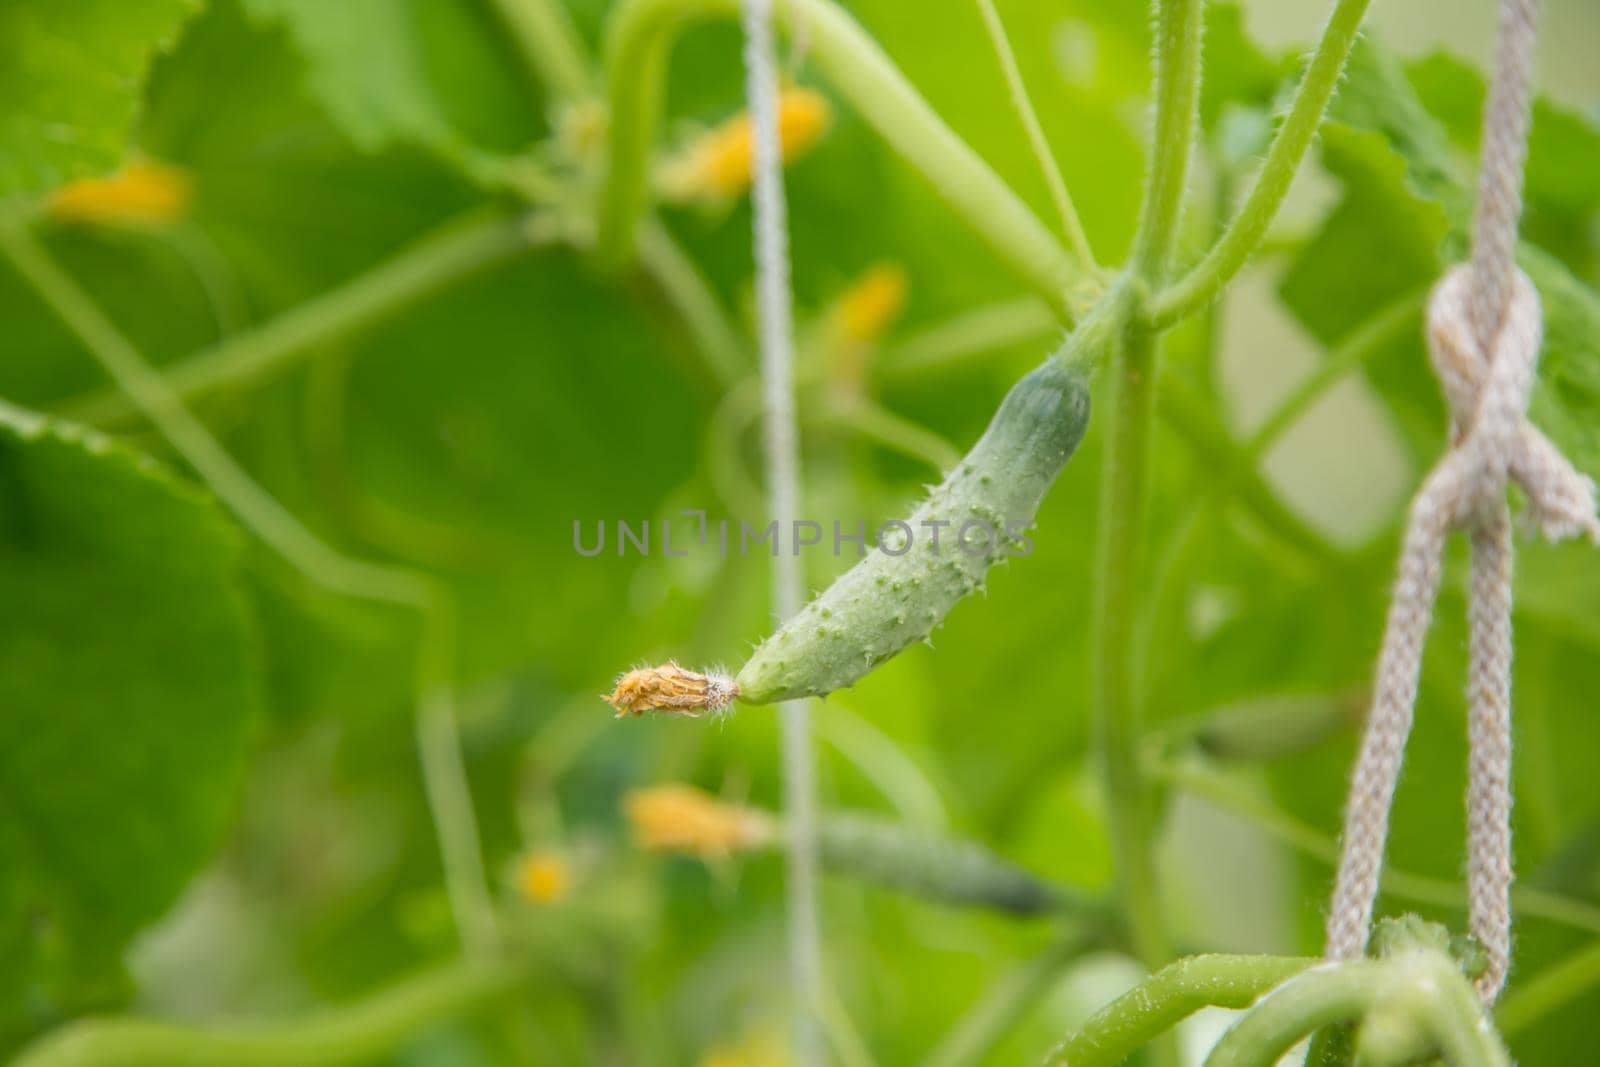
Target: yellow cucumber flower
[(866, 311), (716, 166), (543, 877), (143, 192)]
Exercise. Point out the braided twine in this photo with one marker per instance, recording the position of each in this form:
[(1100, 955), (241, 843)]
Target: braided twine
[(1483, 340)]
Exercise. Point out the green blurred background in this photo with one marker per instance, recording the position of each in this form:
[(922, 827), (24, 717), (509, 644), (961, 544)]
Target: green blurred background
[(466, 435)]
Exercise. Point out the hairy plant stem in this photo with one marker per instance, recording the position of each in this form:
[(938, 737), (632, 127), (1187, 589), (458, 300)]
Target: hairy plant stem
[(458, 250), (640, 35), (1119, 566), (1421, 998), (443, 771), (1120, 536), (1322, 996), (1179, 27), (980, 333), (559, 64), (1249, 224), (1168, 997), (360, 1032)]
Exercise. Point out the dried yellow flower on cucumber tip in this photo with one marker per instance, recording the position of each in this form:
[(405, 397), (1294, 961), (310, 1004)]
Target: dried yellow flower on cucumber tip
[(673, 690)]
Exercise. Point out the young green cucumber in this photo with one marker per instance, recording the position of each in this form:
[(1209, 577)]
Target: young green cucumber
[(921, 567), (949, 870)]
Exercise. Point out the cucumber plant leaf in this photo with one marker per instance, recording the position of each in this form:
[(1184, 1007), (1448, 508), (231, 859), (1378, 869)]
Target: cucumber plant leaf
[(1404, 218), (1563, 152), (70, 73), (419, 73), (1380, 243), (130, 685)]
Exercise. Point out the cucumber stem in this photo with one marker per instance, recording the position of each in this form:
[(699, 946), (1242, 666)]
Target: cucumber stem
[(1179, 27), (1119, 565), (1165, 999), (639, 39), (1249, 224), (1124, 488), (1421, 995)]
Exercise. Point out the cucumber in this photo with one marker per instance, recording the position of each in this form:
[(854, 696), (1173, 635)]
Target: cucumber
[(891, 600), (947, 870)]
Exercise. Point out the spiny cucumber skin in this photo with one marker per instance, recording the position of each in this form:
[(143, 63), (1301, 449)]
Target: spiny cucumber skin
[(885, 603)]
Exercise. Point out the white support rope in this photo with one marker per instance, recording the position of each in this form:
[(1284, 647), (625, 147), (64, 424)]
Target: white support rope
[(1484, 325), (776, 329)]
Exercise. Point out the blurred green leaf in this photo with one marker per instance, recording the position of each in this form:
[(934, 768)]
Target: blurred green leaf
[(1238, 72), (1379, 243), (70, 76), (130, 682), (1563, 151), (1405, 215), (413, 72), (464, 437)]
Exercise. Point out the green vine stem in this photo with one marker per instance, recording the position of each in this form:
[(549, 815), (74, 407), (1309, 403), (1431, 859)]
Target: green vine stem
[(559, 64), (444, 775), (977, 334), (1250, 222), (1417, 993), (639, 39), (452, 254), (355, 1033), (1120, 542), (1168, 997), (1123, 494), (1451, 1009), (1322, 996), (1179, 29)]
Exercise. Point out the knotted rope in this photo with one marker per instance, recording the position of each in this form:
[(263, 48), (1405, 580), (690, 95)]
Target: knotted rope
[(1483, 339)]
